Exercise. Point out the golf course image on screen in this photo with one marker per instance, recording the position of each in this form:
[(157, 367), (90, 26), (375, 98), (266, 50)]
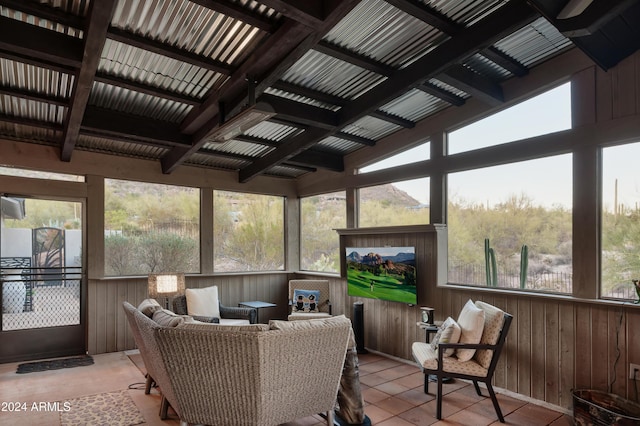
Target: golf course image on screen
[(385, 273)]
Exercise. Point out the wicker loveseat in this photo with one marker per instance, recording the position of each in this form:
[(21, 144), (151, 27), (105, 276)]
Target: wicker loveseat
[(246, 375)]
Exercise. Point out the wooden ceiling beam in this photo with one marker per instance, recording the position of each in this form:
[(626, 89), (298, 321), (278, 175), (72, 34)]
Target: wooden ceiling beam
[(159, 48), (474, 84), (267, 65), (99, 17), (441, 93), (504, 21), (286, 151), (135, 86), (29, 122), (510, 17), (353, 58), (309, 93), (33, 96), (505, 61), (356, 139), (37, 62), (299, 112), (393, 119), (107, 122), (450, 27), (27, 40), (43, 11), (233, 10), (428, 15), (310, 13), (319, 159)]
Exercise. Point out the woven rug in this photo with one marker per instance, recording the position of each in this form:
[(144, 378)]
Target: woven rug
[(104, 409), (55, 364)]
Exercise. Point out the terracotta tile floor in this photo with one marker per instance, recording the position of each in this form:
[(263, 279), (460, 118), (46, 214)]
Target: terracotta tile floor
[(392, 392)]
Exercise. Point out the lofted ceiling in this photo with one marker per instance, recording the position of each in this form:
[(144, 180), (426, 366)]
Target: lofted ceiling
[(273, 87)]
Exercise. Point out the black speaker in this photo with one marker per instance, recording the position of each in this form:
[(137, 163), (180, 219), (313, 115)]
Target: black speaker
[(358, 326)]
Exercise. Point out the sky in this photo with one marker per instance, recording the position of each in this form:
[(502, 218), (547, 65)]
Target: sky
[(546, 113)]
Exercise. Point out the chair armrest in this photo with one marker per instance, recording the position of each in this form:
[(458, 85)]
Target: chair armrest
[(247, 313), (212, 320), (467, 346)]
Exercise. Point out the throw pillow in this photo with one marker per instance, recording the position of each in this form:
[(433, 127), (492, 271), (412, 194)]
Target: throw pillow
[(203, 302), (449, 332), (149, 306), (305, 300), (167, 318), (471, 322), (493, 321)]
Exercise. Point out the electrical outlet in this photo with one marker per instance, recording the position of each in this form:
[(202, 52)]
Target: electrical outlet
[(634, 371)]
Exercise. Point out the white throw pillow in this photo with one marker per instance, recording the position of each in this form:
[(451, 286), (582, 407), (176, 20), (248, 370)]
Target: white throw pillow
[(203, 301), (471, 322), (449, 332)]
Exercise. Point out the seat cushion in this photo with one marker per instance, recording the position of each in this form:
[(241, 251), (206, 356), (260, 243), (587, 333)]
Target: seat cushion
[(493, 321), (471, 322), (427, 358), (203, 302), (449, 332)]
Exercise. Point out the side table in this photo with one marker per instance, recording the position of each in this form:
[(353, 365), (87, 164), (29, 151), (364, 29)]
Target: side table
[(257, 304)]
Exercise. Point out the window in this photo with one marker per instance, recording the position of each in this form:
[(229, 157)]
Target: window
[(320, 215), (393, 204), (620, 221), (248, 232), (511, 225), (413, 155), (150, 228), (549, 112)]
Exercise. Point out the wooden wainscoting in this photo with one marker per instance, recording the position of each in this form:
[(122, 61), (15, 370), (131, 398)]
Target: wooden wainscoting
[(108, 330)]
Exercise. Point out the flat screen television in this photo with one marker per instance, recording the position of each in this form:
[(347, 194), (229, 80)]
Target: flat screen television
[(385, 273)]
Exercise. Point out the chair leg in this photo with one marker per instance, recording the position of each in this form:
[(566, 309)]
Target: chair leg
[(331, 415), (439, 399), (495, 402), (426, 383), (477, 388), (148, 384), (164, 408)]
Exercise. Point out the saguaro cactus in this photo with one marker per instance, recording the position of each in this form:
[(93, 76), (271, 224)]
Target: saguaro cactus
[(491, 267), (524, 265)]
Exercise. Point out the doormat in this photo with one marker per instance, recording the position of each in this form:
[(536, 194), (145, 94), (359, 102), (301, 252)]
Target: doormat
[(55, 364), (108, 409)]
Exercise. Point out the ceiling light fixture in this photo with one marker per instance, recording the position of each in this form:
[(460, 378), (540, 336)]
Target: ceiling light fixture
[(241, 122)]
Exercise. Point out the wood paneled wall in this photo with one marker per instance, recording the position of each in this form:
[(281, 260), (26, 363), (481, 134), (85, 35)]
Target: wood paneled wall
[(108, 330), (555, 343)]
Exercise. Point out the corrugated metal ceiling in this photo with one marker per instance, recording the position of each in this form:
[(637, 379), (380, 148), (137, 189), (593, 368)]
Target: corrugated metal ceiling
[(374, 32)]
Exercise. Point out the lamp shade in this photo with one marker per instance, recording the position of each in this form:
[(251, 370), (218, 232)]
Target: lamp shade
[(165, 285)]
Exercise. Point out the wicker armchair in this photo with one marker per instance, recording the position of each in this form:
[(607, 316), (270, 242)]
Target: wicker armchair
[(226, 312), (247, 375)]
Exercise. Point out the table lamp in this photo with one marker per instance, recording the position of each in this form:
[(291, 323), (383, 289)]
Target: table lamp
[(165, 285)]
